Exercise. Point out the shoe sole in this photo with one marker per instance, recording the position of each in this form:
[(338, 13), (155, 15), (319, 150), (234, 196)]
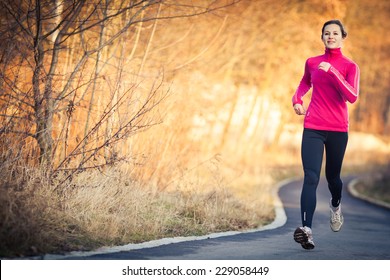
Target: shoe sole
[(301, 237)]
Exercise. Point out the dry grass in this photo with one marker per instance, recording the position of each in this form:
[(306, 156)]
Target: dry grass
[(32, 220), (108, 208)]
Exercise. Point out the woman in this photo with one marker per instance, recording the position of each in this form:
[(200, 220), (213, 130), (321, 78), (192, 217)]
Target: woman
[(335, 80)]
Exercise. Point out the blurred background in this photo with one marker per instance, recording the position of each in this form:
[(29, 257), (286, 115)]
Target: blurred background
[(173, 90)]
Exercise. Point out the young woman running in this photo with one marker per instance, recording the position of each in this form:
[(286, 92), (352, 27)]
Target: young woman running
[(335, 80)]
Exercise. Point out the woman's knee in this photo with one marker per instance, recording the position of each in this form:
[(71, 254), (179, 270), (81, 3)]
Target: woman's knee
[(311, 177)]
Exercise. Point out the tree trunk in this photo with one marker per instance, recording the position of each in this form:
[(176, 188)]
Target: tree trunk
[(43, 125)]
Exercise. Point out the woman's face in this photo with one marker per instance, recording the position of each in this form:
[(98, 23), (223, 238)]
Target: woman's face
[(332, 36)]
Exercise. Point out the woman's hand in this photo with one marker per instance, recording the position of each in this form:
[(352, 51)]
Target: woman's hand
[(324, 66), (299, 110)]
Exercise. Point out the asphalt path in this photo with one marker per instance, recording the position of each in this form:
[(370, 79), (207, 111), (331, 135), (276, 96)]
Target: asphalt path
[(365, 235)]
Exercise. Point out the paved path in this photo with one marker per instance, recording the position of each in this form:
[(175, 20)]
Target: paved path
[(364, 236)]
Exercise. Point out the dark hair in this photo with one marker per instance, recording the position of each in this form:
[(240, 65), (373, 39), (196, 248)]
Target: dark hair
[(334, 21)]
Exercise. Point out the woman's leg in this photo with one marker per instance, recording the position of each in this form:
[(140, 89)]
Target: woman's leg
[(335, 146), (312, 151)]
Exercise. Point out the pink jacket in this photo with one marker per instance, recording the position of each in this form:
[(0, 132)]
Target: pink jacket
[(331, 90)]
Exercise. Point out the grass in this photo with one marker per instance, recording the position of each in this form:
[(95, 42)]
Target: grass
[(107, 208)]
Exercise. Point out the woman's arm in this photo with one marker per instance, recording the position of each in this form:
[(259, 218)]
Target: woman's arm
[(303, 86), (348, 86)]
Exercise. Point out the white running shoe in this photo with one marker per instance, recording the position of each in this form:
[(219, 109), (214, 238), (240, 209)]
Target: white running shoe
[(304, 236), (336, 218)]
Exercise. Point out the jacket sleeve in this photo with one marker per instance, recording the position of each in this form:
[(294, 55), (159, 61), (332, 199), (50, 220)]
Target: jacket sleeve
[(348, 86), (303, 86)]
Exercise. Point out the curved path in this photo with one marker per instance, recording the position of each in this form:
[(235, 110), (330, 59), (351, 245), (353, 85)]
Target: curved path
[(365, 236)]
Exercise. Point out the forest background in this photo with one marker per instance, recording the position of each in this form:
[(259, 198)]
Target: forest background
[(126, 121)]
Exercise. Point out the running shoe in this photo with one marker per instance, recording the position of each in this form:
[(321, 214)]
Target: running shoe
[(304, 236), (336, 218)]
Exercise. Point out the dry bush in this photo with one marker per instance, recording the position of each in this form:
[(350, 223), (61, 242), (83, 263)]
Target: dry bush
[(31, 217), (113, 208), (110, 208)]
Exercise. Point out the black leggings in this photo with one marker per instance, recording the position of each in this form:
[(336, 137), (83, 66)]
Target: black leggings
[(313, 143)]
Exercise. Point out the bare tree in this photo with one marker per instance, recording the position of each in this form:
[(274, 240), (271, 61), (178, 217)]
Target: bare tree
[(53, 57)]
